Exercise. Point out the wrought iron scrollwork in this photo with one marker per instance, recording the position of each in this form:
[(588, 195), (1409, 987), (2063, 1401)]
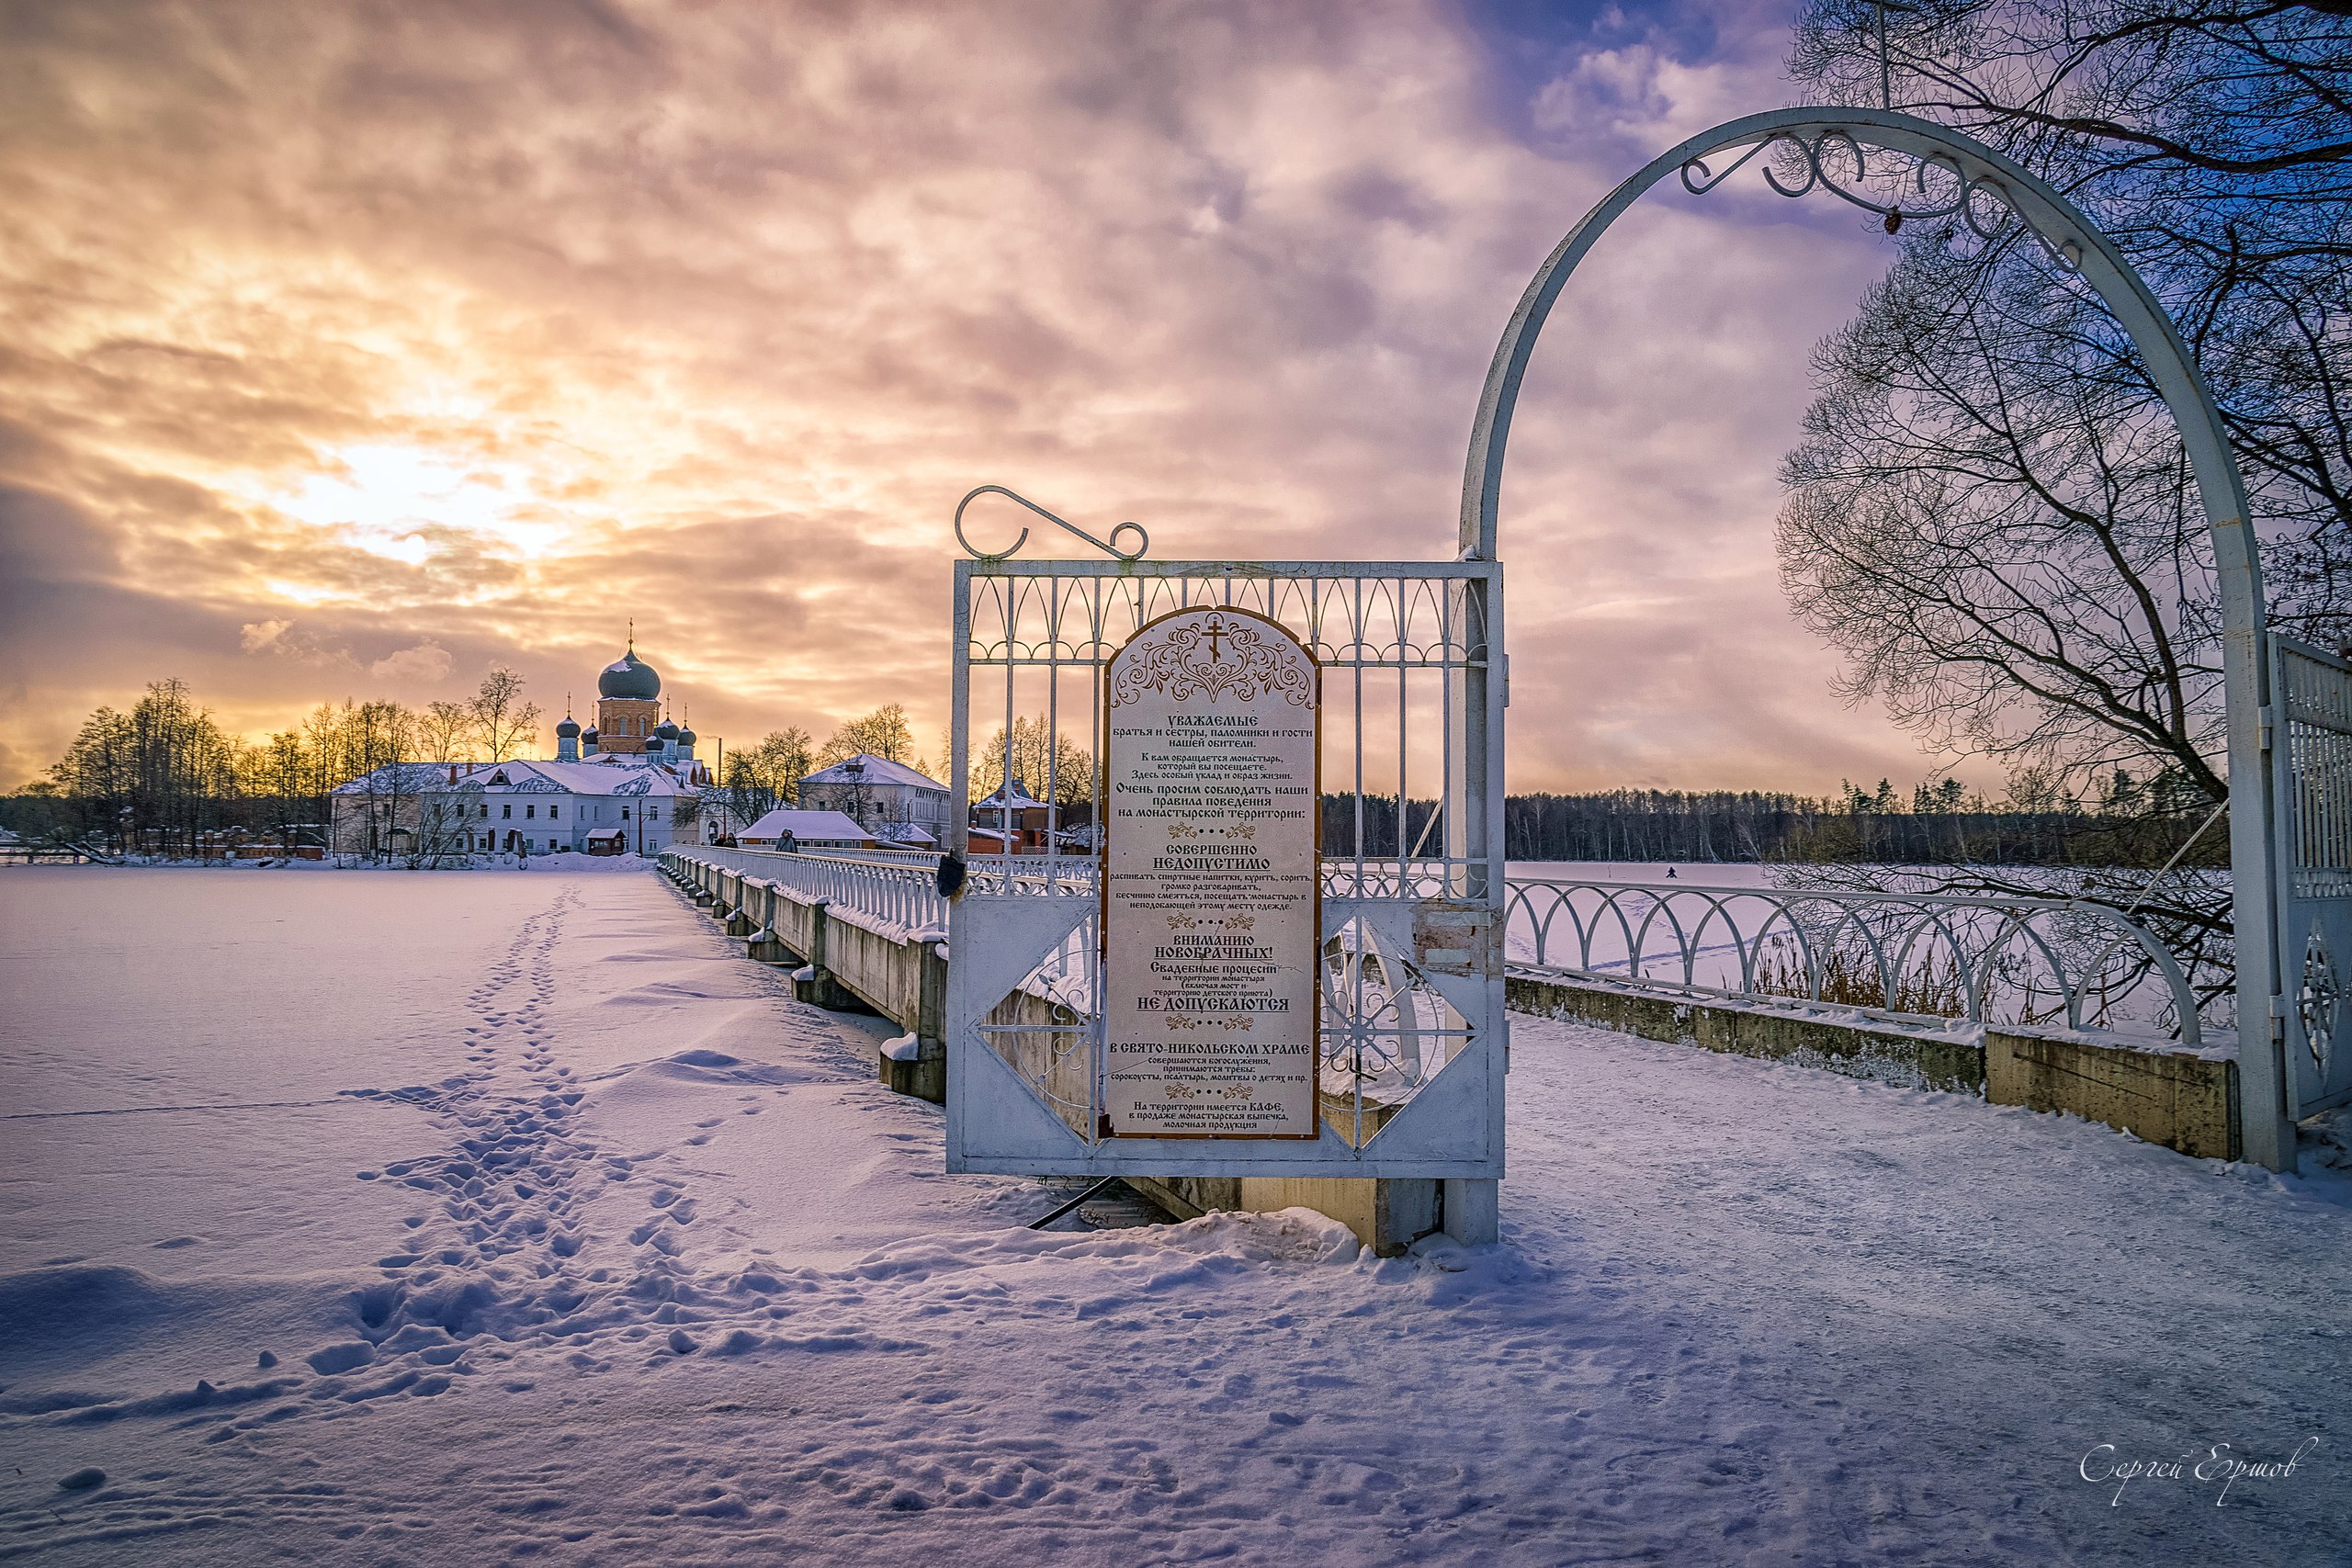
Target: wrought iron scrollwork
[(1974, 958), (1143, 539), (2316, 1000), (2065, 252)]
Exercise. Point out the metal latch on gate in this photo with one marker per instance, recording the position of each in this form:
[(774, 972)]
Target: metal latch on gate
[(1456, 939)]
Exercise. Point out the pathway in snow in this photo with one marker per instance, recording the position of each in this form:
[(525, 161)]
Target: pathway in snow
[(624, 1258)]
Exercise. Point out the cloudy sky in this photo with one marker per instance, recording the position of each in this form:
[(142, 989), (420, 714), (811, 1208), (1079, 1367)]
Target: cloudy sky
[(346, 349)]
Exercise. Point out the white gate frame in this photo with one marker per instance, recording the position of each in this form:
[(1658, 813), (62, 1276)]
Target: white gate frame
[(1985, 179), (1023, 931)]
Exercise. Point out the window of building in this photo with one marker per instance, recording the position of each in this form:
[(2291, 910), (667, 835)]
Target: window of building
[(508, 809), (485, 808), (624, 813), (552, 812), (529, 811)]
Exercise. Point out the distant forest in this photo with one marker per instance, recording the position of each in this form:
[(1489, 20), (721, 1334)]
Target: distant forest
[(2128, 828)]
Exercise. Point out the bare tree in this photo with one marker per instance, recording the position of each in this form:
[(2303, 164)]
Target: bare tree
[(382, 739), (504, 723), (154, 778), (1991, 513), (884, 733), (1053, 767), (785, 759), (759, 778), (448, 731), (2214, 144), (444, 831), (277, 778), (2005, 545)]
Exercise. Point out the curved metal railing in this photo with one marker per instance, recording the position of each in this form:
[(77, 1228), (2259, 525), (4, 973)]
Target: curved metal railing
[(1979, 959), (1971, 959)]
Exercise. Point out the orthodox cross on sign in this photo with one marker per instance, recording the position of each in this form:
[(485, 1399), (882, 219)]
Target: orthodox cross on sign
[(1215, 635)]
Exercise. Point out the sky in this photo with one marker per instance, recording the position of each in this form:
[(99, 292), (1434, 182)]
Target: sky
[(347, 350)]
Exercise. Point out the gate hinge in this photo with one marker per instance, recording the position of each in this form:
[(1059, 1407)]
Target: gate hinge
[(2269, 729), (2279, 1018), (1506, 680)]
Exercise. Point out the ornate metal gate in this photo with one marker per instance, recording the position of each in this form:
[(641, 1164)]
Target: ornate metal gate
[(1413, 1042), (2312, 769)]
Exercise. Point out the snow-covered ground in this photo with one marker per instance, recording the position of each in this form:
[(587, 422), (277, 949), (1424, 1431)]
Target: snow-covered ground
[(455, 1219)]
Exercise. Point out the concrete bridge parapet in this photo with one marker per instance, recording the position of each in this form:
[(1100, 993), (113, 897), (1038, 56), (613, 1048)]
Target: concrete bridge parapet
[(841, 958)]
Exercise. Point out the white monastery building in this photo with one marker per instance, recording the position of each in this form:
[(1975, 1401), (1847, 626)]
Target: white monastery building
[(898, 803), (629, 783)]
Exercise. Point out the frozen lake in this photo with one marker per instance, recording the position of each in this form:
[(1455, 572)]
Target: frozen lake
[(455, 1218)]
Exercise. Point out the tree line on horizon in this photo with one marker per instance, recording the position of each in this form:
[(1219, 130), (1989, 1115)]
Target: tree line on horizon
[(2125, 823), (161, 774)]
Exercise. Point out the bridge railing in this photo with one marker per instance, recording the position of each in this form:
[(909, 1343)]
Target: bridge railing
[(890, 894), (1972, 959), (926, 859), (2054, 962), (1034, 874)]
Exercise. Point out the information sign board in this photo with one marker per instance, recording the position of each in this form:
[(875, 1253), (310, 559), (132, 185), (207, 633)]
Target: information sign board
[(1211, 921)]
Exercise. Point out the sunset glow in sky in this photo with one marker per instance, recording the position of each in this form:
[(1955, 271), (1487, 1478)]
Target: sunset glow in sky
[(346, 349)]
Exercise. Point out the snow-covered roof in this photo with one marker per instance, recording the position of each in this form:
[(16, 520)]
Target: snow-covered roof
[(602, 775), (1013, 797), (906, 833), (806, 826), (399, 778), (878, 771), (612, 775)]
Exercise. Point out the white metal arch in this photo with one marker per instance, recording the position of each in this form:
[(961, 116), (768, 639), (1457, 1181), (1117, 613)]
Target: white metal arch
[(2267, 1136)]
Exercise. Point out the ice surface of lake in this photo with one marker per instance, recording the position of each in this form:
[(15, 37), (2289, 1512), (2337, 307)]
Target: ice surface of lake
[(379, 1217)]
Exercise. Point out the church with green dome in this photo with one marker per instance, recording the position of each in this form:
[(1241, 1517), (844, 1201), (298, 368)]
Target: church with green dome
[(629, 706), (629, 783)]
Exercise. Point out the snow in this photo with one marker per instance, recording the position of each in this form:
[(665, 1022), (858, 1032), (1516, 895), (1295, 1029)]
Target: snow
[(810, 826), (611, 774), (569, 861), (875, 771), (453, 1219)]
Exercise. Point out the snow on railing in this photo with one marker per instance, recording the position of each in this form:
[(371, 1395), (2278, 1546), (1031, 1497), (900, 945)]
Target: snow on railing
[(1972, 959), (926, 859), (893, 899)]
